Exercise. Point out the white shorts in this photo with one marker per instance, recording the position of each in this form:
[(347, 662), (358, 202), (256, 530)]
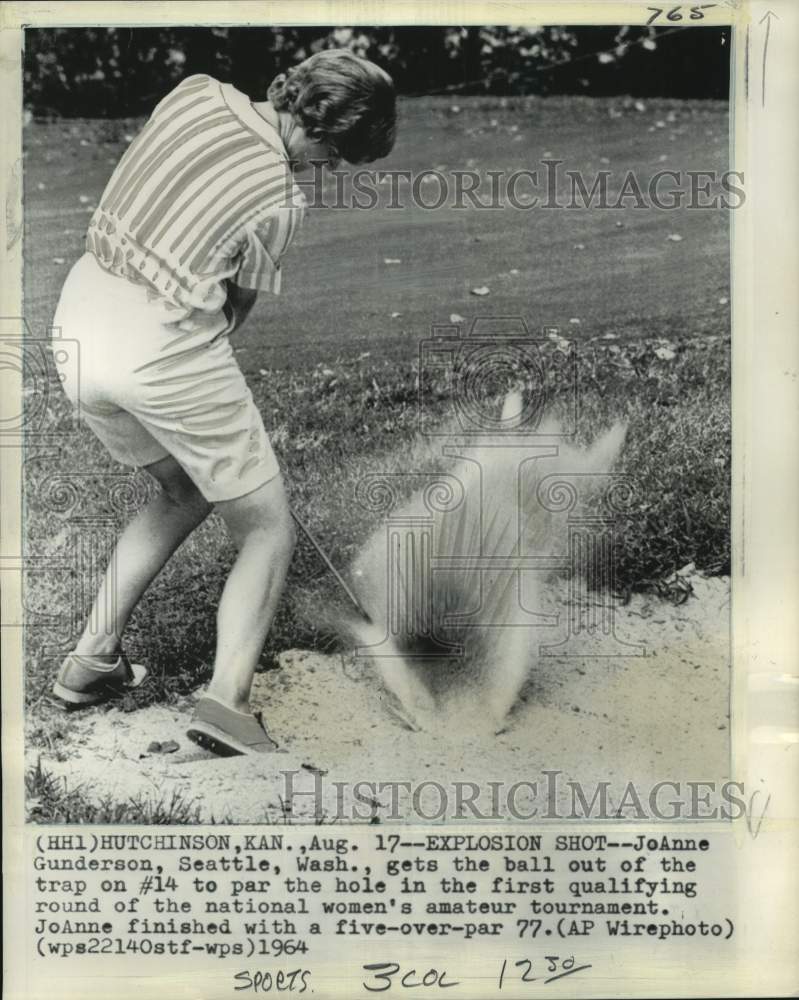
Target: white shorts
[(149, 387)]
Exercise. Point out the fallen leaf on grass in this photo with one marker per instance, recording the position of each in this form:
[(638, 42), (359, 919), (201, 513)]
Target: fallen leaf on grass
[(314, 769), (170, 746), (676, 590)]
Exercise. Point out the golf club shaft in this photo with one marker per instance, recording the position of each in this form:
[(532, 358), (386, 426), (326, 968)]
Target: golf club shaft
[(325, 559)]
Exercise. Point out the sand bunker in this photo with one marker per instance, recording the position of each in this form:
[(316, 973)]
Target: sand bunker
[(664, 716)]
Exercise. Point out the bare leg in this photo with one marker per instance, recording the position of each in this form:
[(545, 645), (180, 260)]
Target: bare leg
[(143, 549), (263, 530)]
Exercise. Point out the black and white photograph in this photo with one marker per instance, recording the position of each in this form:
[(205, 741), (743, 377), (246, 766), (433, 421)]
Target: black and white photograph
[(399, 554), (378, 421)]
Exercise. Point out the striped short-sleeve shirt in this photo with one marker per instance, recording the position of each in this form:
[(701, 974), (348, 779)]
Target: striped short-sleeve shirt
[(202, 195)]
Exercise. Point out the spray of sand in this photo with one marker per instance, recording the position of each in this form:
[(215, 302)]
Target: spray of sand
[(452, 638)]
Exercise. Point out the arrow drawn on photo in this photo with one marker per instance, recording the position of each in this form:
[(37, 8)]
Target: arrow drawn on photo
[(754, 820), (767, 18)]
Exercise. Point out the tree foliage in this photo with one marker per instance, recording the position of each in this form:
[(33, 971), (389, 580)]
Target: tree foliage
[(118, 72)]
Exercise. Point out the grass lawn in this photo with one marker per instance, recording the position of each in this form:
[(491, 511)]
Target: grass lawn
[(333, 362)]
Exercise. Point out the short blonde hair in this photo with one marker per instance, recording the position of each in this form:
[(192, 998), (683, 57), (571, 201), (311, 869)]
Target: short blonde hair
[(341, 97)]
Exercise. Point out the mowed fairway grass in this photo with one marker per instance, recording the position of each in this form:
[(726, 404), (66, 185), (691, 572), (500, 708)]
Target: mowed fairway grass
[(334, 361)]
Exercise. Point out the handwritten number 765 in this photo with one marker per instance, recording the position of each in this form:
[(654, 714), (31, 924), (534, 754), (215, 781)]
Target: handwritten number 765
[(676, 13)]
